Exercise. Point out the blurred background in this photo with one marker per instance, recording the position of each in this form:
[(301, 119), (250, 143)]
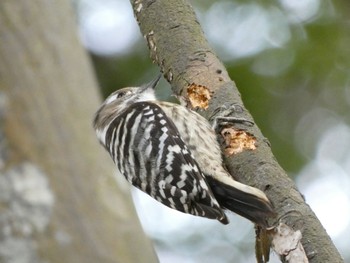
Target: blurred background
[(291, 62)]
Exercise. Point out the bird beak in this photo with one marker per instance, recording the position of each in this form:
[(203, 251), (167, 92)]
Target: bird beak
[(151, 84)]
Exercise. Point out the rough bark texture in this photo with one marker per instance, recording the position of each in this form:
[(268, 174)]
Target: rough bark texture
[(178, 46), (59, 201)]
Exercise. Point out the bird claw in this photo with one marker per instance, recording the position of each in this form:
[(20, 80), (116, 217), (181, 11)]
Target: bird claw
[(224, 117)]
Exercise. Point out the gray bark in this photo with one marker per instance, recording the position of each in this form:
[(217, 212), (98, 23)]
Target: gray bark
[(178, 46), (59, 201)]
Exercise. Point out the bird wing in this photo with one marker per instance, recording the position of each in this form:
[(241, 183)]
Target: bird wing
[(149, 151)]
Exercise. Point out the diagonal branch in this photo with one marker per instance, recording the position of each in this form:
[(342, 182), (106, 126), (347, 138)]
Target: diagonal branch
[(177, 44)]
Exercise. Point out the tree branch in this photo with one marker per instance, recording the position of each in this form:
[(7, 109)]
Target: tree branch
[(178, 46)]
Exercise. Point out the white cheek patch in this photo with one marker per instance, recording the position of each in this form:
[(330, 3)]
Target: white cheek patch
[(111, 99), (147, 95)]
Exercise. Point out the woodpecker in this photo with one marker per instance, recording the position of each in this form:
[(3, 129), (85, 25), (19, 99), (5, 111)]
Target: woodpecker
[(172, 154)]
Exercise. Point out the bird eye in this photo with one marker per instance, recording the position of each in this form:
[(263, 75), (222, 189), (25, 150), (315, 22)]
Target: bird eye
[(121, 94)]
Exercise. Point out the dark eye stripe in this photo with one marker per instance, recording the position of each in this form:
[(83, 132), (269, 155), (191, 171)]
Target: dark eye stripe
[(121, 94)]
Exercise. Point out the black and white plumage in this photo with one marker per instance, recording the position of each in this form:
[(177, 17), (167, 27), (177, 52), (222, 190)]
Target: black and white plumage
[(171, 153)]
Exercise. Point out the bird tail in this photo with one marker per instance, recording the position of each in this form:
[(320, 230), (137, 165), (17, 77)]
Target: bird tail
[(244, 200)]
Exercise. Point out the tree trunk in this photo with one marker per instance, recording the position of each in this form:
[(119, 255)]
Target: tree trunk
[(59, 200), (178, 46)]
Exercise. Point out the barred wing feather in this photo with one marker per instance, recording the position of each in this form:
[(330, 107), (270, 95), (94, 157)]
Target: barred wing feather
[(148, 150)]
